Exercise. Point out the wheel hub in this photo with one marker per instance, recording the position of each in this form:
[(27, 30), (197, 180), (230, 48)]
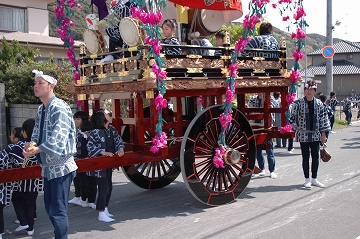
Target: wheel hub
[(232, 156)]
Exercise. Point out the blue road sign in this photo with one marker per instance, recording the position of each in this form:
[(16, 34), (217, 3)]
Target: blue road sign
[(328, 51)]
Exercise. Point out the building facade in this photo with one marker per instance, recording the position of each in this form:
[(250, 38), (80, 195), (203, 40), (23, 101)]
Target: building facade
[(346, 69)]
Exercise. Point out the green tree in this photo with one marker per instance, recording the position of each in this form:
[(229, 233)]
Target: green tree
[(16, 65)]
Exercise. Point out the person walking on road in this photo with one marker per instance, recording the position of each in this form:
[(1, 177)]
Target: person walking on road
[(55, 137), (311, 122)]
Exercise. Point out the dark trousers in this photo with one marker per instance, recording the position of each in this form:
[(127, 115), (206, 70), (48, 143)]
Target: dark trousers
[(25, 207), (56, 197), (314, 149), (88, 187), (332, 120), (104, 190), (77, 186), (291, 144), (2, 218)]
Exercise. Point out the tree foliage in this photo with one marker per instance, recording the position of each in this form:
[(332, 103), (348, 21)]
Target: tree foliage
[(16, 65)]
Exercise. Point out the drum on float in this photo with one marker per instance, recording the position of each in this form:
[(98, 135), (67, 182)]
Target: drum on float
[(206, 22), (130, 31), (94, 41)]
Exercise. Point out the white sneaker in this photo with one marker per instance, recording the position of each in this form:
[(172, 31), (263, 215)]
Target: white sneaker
[(291, 151), (92, 205), (273, 175), (75, 200), (307, 183), (17, 221), (30, 232), (332, 132), (84, 203), (316, 183), (20, 228), (262, 173), (104, 218)]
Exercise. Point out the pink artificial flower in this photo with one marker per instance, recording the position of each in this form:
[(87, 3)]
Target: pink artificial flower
[(298, 55), (274, 6), (285, 129), (286, 18), (218, 158), (290, 98), (225, 120), (294, 76), (299, 13)]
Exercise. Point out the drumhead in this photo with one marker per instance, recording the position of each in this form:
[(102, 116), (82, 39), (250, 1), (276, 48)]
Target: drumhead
[(129, 31), (212, 19), (91, 41)]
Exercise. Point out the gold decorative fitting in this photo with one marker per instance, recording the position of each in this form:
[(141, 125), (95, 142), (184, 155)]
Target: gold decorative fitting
[(123, 73), (225, 72), (93, 56), (149, 94), (133, 48), (82, 49), (225, 57), (101, 76), (194, 70), (134, 95), (282, 42), (258, 70), (151, 62), (81, 96), (122, 60), (194, 56), (258, 58), (264, 77)]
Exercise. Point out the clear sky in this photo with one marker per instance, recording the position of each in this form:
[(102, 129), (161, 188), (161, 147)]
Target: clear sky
[(345, 11)]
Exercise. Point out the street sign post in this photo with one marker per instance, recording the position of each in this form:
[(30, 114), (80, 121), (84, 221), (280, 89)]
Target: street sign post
[(328, 51)]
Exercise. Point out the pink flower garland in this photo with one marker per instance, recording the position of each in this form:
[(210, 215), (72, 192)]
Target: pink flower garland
[(64, 22), (218, 158), (154, 19)]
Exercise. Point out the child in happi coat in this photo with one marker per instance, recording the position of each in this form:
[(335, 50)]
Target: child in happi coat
[(25, 192), (169, 28), (104, 141)]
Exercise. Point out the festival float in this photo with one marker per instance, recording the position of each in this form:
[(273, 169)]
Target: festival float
[(209, 135)]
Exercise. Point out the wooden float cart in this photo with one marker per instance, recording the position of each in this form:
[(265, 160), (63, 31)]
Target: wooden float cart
[(192, 129)]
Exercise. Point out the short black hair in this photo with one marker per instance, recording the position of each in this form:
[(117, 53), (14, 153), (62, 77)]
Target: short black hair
[(276, 95), (322, 98), (170, 23), (98, 120), (82, 115), (265, 28), (28, 126), (17, 132), (85, 126), (332, 93), (220, 34)]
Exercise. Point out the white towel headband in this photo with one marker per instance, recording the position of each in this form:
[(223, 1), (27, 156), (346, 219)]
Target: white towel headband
[(311, 87), (48, 78)]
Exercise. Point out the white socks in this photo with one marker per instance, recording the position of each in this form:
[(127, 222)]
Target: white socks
[(108, 213), (104, 218)]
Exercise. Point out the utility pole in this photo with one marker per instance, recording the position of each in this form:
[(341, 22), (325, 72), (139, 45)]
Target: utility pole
[(329, 42)]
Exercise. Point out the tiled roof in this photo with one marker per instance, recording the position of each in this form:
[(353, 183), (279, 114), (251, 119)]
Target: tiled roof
[(340, 47), (340, 67), (34, 39)]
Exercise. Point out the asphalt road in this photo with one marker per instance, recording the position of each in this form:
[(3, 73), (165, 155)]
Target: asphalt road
[(268, 208)]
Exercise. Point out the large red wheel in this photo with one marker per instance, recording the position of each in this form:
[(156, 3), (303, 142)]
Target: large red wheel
[(153, 175), (208, 184)]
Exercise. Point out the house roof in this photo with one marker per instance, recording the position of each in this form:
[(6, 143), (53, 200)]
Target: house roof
[(34, 39), (340, 47), (340, 67)]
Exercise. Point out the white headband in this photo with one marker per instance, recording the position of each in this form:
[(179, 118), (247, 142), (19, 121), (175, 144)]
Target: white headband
[(311, 87), (48, 78)]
